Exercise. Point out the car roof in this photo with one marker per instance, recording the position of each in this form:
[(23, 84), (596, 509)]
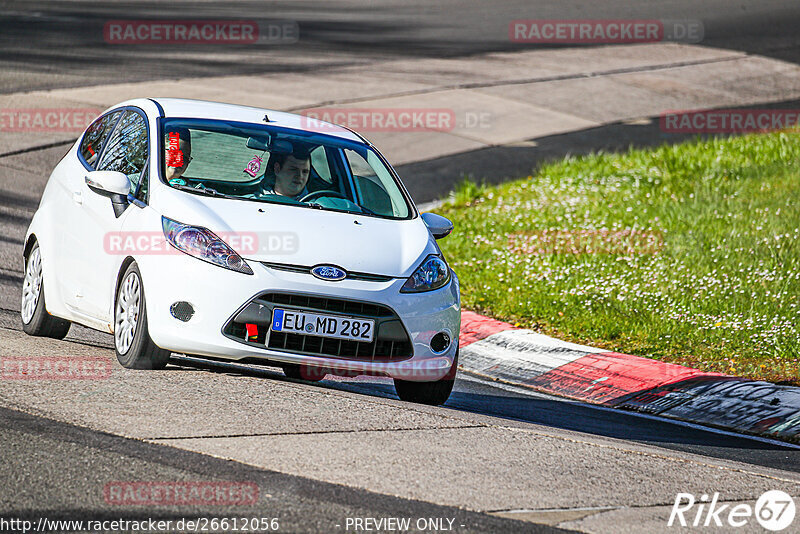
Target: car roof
[(201, 109)]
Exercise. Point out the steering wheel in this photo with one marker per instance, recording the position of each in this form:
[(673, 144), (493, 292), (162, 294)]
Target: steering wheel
[(324, 193)]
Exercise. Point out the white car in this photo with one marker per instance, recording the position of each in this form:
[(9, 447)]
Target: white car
[(243, 234)]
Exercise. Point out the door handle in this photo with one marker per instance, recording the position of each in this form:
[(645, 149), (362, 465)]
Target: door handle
[(77, 197)]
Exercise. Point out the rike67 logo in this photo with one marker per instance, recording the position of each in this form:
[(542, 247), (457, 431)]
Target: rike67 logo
[(774, 510)]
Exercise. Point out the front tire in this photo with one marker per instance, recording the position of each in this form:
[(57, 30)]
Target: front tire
[(432, 393), (33, 311), (132, 343)]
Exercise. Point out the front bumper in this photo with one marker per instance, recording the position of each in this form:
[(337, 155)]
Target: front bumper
[(218, 295)]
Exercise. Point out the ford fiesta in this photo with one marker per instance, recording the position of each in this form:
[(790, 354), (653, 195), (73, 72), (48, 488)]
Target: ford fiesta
[(243, 234)]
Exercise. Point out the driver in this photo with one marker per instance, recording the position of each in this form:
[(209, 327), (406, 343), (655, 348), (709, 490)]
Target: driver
[(287, 175)]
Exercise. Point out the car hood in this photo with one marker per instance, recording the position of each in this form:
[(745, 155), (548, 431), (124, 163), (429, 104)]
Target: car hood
[(293, 235)]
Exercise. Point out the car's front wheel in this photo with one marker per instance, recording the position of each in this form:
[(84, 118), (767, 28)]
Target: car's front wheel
[(433, 393), (33, 311), (134, 348)]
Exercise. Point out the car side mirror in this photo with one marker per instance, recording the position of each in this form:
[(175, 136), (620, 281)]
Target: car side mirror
[(439, 226), (108, 183), (112, 184)]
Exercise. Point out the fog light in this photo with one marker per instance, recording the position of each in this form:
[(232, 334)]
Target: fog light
[(182, 311), (440, 342)]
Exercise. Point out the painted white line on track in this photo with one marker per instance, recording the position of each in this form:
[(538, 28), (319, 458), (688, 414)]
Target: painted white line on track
[(520, 353), (432, 205)]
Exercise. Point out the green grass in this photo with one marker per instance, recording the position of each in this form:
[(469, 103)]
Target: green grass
[(716, 286)]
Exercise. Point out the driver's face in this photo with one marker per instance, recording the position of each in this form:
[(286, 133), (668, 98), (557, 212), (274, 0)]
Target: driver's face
[(291, 179)]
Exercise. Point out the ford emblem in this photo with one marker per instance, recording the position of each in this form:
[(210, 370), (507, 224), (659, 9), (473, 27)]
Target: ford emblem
[(329, 272)]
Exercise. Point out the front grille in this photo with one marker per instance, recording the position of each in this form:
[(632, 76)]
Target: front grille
[(391, 342), (377, 351), (349, 307), (305, 269)]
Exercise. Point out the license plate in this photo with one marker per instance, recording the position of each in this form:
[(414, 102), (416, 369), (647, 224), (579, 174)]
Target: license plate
[(314, 324)]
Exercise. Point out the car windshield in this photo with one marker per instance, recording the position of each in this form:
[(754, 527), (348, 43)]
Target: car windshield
[(278, 165)]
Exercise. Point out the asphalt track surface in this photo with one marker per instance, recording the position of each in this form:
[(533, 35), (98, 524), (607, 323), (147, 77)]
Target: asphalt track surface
[(60, 44), (70, 458), (47, 45)]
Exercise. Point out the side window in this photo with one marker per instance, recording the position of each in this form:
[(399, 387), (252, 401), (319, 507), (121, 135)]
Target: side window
[(96, 135), (375, 185), (145, 182), (126, 151)]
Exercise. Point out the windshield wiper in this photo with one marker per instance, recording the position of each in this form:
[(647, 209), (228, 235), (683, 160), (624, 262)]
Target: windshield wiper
[(362, 212), (367, 210), (203, 190), (341, 210)]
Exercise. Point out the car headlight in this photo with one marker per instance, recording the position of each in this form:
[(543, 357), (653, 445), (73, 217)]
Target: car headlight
[(432, 274), (203, 244)]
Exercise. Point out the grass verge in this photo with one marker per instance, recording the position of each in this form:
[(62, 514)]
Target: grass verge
[(687, 253)]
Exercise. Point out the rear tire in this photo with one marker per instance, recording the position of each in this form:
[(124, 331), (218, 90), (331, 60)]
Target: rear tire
[(132, 343), (432, 393), (33, 311), (303, 372)]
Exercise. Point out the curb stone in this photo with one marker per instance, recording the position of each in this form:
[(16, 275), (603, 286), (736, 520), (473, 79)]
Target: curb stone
[(522, 357)]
